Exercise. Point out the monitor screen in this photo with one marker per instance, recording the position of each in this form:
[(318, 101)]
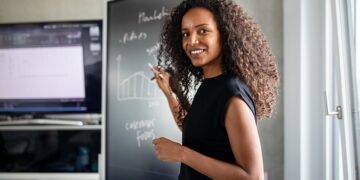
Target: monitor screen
[(51, 67)]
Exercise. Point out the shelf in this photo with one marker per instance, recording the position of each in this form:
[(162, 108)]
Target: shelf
[(50, 127), (47, 176)]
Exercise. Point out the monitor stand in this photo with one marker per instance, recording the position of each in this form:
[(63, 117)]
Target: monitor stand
[(38, 120)]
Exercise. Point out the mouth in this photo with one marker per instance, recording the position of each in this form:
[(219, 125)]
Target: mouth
[(196, 52)]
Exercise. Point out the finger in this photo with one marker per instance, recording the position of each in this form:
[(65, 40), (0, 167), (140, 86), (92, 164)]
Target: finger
[(154, 78), (161, 70), (152, 67), (161, 76), (155, 69), (157, 74), (155, 141)]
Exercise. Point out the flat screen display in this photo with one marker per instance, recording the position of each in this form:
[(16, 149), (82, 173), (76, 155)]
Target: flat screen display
[(51, 67)]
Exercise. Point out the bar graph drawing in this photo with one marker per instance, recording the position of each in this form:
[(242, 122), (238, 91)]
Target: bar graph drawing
[(137, 86)]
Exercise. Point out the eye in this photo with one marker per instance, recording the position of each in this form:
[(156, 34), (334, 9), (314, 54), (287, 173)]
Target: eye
[(185, 34), (203, 31)]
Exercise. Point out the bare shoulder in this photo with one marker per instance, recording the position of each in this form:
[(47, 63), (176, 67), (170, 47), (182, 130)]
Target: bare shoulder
[(238, 112)]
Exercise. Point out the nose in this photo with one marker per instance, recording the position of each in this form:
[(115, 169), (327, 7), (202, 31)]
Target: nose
[(194, 39)]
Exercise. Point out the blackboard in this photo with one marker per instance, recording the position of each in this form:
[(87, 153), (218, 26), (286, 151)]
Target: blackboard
[(136, 110)]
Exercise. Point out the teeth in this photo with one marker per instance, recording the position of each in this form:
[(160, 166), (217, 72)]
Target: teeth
[(197, 51)]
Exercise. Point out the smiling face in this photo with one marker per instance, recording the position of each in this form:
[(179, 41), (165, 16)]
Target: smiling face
[(201, 39)]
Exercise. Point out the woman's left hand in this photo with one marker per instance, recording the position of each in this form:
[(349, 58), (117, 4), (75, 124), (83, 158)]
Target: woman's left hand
[(167, 150)]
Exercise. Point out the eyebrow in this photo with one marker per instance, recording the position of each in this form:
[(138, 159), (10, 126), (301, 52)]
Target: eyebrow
[(196, 26)]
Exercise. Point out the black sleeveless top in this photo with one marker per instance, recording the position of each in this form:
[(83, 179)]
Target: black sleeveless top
[(204, 126)]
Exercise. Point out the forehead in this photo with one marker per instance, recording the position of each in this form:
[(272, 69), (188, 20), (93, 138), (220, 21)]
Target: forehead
[(197, 15)]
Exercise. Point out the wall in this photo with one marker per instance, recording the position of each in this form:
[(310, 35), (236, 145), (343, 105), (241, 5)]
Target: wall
[(49, 10), (304, 85), (267, 13)]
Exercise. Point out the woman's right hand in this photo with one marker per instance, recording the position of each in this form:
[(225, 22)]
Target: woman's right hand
[(162, 80)]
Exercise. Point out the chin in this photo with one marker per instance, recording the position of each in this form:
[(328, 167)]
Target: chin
[(197, 63)]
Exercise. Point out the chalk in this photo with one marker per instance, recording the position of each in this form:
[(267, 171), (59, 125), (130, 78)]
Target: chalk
[(152, 67)]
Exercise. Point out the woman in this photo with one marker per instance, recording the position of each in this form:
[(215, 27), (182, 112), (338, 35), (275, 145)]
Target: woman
[(215, 43)]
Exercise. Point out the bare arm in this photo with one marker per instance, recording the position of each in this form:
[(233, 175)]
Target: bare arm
[(244, 141), (162, 80), (174, 107)]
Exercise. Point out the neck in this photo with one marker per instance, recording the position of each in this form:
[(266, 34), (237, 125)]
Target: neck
[(210, 72)]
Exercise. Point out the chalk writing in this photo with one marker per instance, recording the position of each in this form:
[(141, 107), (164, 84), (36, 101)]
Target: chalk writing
[(127, 37), (143, 18), (144, 130), (135, 125), (136, 86), (144, 135), (152, 50)]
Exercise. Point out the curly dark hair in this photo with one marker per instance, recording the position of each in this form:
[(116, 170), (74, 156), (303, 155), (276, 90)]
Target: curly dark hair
[(245, 53)]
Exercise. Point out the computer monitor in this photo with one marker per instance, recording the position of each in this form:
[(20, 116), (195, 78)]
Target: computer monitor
[(48, 68)]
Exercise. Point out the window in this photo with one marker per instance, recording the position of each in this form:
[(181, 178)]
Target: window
[(342, 89)]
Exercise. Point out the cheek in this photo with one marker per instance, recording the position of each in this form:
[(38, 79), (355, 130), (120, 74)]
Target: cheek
[(215, 44)]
